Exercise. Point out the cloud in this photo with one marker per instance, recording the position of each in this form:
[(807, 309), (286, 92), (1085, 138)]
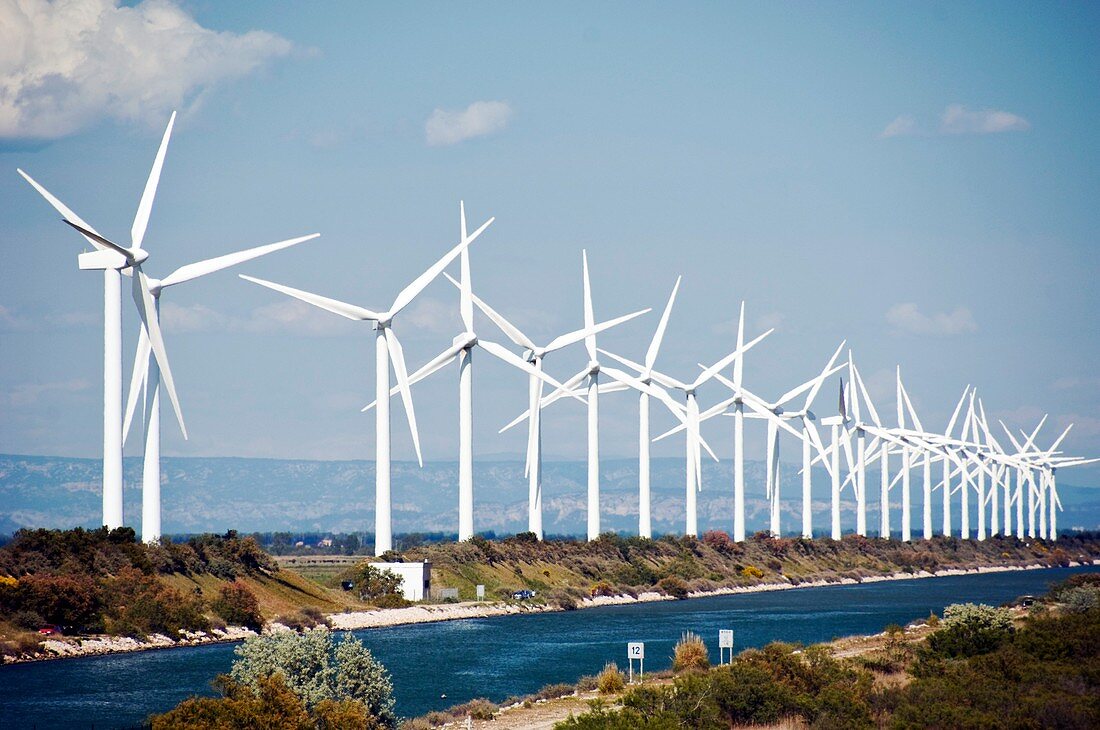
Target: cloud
[(64, 65), (433, 315), (27, 394), (477, 120), (903, 126), (10, 321), (289, 317), (957, 119), (907, 317), (1073, 383)]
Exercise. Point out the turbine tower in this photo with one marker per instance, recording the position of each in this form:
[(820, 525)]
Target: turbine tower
[(461, 349), (145, 378), (113, 263), (387, 350)]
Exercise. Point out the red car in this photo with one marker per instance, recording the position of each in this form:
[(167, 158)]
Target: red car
[(50, 631)]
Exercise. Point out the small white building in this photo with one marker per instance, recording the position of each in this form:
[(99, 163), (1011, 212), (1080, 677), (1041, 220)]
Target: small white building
[(416, 578)]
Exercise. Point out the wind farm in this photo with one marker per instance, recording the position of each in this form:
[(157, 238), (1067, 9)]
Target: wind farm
[(744, 358)]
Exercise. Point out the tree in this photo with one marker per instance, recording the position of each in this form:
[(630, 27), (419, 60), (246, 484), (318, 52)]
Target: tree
[(970, 629), (372, 582), (237, 604), (318, 668)]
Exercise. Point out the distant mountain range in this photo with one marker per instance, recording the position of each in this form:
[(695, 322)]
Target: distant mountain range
[(213, 494)]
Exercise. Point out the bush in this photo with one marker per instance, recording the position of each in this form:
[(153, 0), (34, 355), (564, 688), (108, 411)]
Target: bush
[(970, 629), (673, 586), (553, 691), (690, 653), (611, 680), (751, 571), (603, 588), (373, 583), (1080, 599), (237, 604), (317, 668), (476, 709)]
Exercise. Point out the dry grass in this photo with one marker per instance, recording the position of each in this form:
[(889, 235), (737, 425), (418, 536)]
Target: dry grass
[(690, 653), (611, 680)]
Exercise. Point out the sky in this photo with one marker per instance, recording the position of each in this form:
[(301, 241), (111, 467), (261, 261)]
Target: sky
[(919, 180)]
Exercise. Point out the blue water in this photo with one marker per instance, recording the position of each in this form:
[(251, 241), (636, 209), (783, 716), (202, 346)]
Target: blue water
[(498, 657)]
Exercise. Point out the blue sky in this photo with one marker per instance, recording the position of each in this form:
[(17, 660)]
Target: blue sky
[(917, 178)]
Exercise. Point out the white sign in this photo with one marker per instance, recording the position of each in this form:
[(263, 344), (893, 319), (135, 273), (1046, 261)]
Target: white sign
[(481, 593), (635, 650), (725, 638)]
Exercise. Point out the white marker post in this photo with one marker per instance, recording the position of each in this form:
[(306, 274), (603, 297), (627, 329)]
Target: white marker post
[(635, 650), (480, 592), (725, 641)]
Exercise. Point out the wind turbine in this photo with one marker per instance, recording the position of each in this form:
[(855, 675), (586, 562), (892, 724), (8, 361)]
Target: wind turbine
[(387, 350), (113, 260), (535, 356), (694, 441), (621, 380), (462, 349), (591, 375), (146, 373)]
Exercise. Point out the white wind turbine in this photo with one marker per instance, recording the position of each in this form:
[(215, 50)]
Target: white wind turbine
[(387, 350), (591, 375), (621, 381), (462, 349), (145, 377), (113, 260), (694, 440), (535, 355)]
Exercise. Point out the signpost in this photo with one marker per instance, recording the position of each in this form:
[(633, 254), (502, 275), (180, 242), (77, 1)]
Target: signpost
[(725, 641), (635, 650), (480, 592)]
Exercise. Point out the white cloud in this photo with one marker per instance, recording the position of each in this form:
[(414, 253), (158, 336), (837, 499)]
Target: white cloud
[(957, 119), (27, 394), (477, 120), (903, 126), (287, 317), (907, 317), (10, 321), (433, 315), (64, 65)]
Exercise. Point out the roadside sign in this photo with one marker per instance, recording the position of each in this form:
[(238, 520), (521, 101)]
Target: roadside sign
[(725, 643), (635, 650)]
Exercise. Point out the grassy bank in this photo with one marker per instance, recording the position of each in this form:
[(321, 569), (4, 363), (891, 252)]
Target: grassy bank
[(563, 571)]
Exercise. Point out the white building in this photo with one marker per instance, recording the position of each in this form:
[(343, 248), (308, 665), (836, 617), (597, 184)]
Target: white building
[(416, 578)]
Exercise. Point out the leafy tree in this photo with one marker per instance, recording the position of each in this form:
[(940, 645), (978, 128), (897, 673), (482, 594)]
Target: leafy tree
[(372, 582), (237, 604), (317, 668), (970, 629)]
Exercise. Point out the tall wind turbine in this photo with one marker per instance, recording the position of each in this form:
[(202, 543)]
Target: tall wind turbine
[(113, 261), (535, 355), (387, 350), (462, 349), (146, 377)]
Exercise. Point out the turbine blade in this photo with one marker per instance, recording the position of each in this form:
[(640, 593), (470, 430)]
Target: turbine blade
[(397, 357), (655, 343), (466, 304), (589, 317), (827, 371), (433, 366), (503, 353), (137, 379), (955, 414), (582, 334), (419, 283), (63, 209), (721, 364), (866, 397), (209, 266), (335, 306), (146, 307), (103, 242), (738, 365), (509, 329), (145, 207)]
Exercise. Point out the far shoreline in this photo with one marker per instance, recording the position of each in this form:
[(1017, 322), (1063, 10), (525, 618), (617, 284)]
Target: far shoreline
[(102, 646)]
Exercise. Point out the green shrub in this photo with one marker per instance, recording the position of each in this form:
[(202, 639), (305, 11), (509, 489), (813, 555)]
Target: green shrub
[(317, 668), (970, 629), (673, 586), (1080, 599)]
